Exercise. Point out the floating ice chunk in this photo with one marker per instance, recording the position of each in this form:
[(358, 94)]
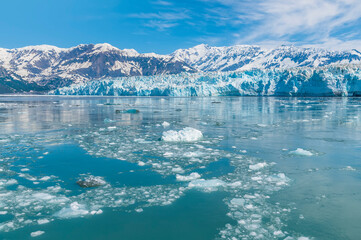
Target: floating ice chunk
[(24, 169), (178, 170), (208, 185), (258, 166), (301, 152), (278, 233), (46, 178), (94, 212), (279, 179), (43, 221), (74, 210), (165, 124), (4, 182), (188, 134), (191, 177), (349, 168), (36, 233), (3, 212), (238, 201), (168, 154), (141, 163), (139, 210), (91, 181), (43, 196), (192, 154)]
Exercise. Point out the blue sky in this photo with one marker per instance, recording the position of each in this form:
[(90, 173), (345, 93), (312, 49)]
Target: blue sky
[(165, 25)]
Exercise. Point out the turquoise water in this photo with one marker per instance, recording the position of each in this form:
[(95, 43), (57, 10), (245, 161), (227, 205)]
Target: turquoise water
[(251, 181)]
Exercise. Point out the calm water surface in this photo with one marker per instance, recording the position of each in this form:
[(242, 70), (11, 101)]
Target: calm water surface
[(266, 168)]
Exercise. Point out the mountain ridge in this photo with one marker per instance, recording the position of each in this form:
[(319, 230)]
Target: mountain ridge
[(51, 67)]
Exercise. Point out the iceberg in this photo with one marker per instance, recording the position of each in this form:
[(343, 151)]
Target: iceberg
[(333, 80), (301, 152), (188, 134), (74, 210), (36, 233)]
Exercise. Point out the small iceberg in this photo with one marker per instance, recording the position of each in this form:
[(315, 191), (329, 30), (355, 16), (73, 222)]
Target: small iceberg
[(36, 233), (258, 166), (165, 124), (188, 134), (91, 181), (190, 177), (74, 210), (206, 185), (301, 152)]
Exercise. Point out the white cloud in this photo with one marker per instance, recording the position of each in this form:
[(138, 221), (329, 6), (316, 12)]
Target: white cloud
[(284, 20), (161, 20), (160, 25), (162, 3)]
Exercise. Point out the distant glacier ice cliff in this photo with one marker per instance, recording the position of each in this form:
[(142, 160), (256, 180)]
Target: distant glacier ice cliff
[(340, 80)]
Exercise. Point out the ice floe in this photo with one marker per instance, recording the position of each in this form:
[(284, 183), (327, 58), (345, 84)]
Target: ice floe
[(91, 181), (190, 177), (258, 166), (301, 152), (36, 233), (187, 134), (74, 210)]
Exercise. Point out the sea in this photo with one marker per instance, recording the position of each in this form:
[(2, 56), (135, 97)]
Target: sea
[(180, 168)]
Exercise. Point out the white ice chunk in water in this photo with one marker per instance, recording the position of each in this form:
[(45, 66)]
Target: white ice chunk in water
[(258, 166), (188, 134), (301, 152), (349, 168), (45, 178), (141, 163), (36, 233), (43, 196), (190, 177), (43, 221), (208, 185), (74, 210), (238, 201), (139, 210), (178, 170), (165, 124), (94, 212)]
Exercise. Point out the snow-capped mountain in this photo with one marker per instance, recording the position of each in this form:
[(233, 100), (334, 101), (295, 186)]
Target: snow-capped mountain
[(55, 67), (49, 67), (244, 57)]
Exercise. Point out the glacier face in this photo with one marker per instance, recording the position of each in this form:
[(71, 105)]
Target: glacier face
[(321, 81)]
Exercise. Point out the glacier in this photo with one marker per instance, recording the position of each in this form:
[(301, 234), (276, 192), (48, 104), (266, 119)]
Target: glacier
[(334, 80)]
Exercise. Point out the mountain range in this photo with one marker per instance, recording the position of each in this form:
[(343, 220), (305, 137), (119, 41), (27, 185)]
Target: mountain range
[(42, 68)]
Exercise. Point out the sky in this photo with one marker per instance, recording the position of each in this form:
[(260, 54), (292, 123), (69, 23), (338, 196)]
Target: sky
[(163, 26)]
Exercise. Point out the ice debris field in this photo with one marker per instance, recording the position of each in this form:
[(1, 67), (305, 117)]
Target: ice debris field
[(179, 149)]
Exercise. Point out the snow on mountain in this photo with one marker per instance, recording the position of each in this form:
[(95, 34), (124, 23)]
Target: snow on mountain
[(243, 57), (321, 81), (49, 65)]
